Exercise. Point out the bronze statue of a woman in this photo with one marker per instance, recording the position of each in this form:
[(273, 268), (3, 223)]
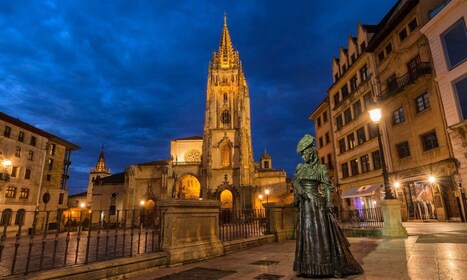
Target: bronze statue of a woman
[(322, 248)]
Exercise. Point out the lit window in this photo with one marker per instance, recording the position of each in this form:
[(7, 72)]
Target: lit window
[(52, 149), (351, 140), (51, 164), (364, 73), (455, 42), (24, 193), (429, 141), (422, 102), (10, 192)]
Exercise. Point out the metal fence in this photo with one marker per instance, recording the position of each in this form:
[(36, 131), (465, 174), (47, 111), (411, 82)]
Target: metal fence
[(49, 239), (362, 218), (240, 224)]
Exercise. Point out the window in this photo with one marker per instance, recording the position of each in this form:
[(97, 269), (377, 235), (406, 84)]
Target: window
[(361, 135), (342, 145), (318, 121), (21, 136), (364, 73), (6, 217), (19, 220), (52, 149), (368, 100), (33, 141), (225, 97), (225, 117), (422, 102), (60, 198), (27, 174), (403, 34), (454, 42), (347, 116), (362, 47), (354, 167), (266, 164), (372, 130), (353, 83), (381, 56), (376, 160), (325, 116), (365, 163), (31, 155), (460, 87), (329, 165), (413, 24), (321, 142), (339, 122), (7, 131), (398, 116), (226, 153), (51, 164), (429, 141), (327, 138), (336, 77), (344, 68), (336, 99), (345, 91), (49, 177), (14, 171), (403, 149), (10, 192), (353, 57), (391, 82), (322, 160), (357, 108), (388, 49), (24, 193), (345, 170), (351, 140), (18, 152)]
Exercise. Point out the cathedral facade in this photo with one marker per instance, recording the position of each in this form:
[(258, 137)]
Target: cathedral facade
[(218, 165)]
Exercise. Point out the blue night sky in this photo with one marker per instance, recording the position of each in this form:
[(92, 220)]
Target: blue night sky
[(132, 74)]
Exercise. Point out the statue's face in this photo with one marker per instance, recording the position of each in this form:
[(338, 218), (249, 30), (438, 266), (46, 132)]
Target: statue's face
[(308, 154)]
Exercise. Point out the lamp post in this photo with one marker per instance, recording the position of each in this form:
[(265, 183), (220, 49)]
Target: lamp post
[(375, 115), (267, 195), (390, 207)]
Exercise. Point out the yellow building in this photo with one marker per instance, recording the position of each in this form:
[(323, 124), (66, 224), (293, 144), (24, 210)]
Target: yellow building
[(36, 175)]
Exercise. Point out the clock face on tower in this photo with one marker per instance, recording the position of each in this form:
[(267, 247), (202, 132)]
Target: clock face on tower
[(225, 117)]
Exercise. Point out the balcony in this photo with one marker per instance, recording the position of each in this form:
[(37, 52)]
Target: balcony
[(4, 177), (395, 86), (187, 163)]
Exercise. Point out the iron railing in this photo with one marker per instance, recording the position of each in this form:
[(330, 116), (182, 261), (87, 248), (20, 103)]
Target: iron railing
[(45, 240), (397, 85), (242, 223), (362, 218)]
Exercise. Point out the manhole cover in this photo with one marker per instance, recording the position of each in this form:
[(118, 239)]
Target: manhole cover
[(266, 276), (264, 262), (198, 273)]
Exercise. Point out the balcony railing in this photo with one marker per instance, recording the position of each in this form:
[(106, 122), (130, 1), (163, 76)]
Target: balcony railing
[(187, 163), (397, 85)]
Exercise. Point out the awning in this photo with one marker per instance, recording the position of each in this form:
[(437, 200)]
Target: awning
[(361, 191)]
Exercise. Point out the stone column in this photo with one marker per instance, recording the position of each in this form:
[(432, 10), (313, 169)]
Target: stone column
[(281, 220), (190, 229), (393, 227)]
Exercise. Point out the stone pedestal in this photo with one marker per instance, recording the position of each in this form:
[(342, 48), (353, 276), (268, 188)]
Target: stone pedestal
[(393, 227), (281, 220), (190, 230)]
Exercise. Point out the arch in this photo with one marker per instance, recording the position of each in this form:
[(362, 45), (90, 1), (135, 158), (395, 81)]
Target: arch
[(20, 215), (226, 199), (188, 187), (225, 149), (6, 217)]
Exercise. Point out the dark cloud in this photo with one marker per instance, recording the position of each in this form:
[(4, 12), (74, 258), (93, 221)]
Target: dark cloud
[(132, 74)]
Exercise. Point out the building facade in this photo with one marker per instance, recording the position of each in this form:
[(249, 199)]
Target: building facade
[(36, 175), (447, 38)]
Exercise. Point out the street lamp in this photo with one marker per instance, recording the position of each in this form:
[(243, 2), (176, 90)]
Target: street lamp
[(267, 195), (391, 208), (375, 116)]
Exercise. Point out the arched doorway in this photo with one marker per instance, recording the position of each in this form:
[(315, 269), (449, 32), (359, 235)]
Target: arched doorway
[(226, 199), (149, 214), (188, 187)]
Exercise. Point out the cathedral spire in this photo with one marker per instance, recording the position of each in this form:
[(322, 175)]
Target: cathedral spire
[(226, 52), (100, 166)]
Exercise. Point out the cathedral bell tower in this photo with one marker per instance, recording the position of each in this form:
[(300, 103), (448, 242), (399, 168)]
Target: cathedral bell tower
[(100, 171), (227, 162)]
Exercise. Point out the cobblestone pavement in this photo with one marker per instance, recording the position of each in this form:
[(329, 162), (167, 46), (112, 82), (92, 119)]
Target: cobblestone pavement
[(431, 251)]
